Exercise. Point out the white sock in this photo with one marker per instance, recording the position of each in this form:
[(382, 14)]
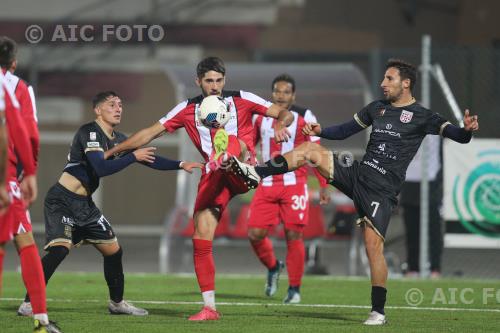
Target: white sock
[(209, 298), (42, 317)]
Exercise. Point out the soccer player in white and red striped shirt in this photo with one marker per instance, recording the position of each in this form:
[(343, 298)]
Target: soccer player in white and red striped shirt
[(15, 223), (283, 198), (216, 186)]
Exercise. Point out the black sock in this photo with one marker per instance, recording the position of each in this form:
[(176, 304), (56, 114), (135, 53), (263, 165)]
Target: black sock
[(50, 262), (378, 299), (294, 288), (275, 166), (113, 273)]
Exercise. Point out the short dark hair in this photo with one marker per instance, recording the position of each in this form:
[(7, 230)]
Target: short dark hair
[(286, 78), (8, 51), (102, 97), (406, 70), (210, 64)]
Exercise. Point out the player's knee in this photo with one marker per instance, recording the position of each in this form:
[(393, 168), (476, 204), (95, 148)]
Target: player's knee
[(256, 234), (116, 256)]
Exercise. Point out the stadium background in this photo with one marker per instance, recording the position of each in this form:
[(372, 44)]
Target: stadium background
[(66, 74)]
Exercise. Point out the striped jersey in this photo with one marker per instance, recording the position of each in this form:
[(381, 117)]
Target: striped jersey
[(243, 105)]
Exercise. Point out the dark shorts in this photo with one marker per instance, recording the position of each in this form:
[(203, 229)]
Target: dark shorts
[(374, 208), (75, 219)]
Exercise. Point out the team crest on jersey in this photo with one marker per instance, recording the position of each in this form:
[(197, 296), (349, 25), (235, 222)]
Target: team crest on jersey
[(93, 136), (381, 112), (406, 116)]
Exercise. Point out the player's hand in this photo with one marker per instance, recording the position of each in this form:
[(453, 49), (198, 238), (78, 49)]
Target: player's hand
[(281, 133), (29, 189), (189, 166), (312, 129), (324, 196), (146, 154), (4, 199), (471, 123)]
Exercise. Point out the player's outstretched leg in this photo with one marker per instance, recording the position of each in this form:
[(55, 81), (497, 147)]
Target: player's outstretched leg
[(374, 245), (307, 152)]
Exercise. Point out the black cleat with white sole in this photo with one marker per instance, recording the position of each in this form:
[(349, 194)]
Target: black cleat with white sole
[(246, 172)]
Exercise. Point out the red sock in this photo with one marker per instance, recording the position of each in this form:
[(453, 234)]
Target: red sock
[(295, 258), (204, 265), (233, 146), (264, 251), (32, 272), (2, 255)]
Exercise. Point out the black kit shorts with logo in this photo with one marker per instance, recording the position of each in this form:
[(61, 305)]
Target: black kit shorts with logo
[(75, 219), (374, 208)]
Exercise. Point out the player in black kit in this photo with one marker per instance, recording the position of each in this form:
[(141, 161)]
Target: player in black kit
[(399, 124), (72, 218)]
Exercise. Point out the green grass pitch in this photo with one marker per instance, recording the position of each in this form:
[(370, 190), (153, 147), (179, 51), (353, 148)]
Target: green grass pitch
[(78, 302)]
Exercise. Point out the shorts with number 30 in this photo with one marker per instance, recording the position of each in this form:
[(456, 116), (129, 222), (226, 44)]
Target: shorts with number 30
[(274, 204)]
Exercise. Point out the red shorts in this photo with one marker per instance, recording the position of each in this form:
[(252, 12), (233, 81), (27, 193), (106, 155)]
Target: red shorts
[(16, 220), (273, 204), (216, 188)]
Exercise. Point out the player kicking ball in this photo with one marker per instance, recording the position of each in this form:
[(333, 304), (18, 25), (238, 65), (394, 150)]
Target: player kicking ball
[(399, 124), (216, 145)]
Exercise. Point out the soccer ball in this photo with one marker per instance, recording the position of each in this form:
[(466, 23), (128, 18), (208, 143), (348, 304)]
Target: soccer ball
[(214, 112)]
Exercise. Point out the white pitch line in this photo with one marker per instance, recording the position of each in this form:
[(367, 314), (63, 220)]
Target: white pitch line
[(346, 306)]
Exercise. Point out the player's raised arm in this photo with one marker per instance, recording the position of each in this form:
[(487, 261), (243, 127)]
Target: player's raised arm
[(464, 134), (137, 140), (284, 119), (105, 167), (335, 132), (163, 163)]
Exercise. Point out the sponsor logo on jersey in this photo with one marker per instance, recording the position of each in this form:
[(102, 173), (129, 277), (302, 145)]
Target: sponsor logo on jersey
[(375, 166), (392, 133), (93, 144), (93, 136), (388, 126), (406, 116)]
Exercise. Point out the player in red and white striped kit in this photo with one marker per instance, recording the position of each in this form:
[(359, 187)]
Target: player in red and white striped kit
[(283, 198), (216, 186), (22, 148)]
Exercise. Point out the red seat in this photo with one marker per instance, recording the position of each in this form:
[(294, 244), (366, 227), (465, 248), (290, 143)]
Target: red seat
[(239, 230)]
